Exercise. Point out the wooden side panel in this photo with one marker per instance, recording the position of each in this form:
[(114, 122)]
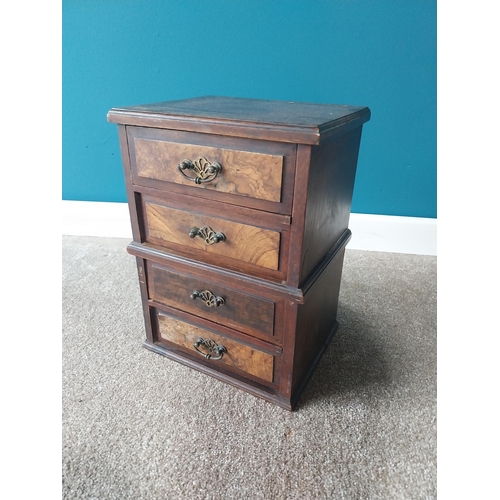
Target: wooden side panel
[(238, 356), (243, 173), (331, 185), (317, 320), (243, 242), (239, 311)]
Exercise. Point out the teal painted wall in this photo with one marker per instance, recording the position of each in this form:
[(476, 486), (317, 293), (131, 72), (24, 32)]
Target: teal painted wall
[(381, 54)]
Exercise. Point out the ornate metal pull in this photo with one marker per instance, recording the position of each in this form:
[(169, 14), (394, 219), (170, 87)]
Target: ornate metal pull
[(205, 171), (212, 346), (207, 234), (208, 298)]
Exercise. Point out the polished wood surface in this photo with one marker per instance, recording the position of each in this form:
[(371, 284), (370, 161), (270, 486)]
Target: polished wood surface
[(238, 356), (251, 244)]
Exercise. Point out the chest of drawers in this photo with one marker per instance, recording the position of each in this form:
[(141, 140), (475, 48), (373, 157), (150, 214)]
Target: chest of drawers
[(239, 211)]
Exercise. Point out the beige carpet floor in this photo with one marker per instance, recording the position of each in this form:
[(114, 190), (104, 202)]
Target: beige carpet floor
[(138, 426)]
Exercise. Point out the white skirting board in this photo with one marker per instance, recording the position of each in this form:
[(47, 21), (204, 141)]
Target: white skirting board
[(377, 233)]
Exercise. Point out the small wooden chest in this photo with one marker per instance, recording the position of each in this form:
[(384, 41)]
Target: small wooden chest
[(240, 212)]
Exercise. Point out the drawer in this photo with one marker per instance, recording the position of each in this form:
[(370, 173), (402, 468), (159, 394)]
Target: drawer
[(238, 241), (257, 174), (214, 302), (217, 350)]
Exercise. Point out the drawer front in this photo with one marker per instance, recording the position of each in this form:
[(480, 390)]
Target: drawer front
[(191, 231), (258, 174), (222, 305), (218, 350)]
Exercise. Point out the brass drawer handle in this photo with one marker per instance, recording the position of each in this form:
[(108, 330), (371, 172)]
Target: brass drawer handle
[(207, 234), (205, 171), (212, 346), (208, 298)]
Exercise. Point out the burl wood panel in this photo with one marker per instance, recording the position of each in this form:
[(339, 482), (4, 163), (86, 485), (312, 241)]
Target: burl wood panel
[(239, 356), (243, 242), (240, 311), (243, 173)]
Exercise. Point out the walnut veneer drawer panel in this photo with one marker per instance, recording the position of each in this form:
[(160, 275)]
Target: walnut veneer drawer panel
[(218, 350), (257, 174), (230, 240), (220, 304)]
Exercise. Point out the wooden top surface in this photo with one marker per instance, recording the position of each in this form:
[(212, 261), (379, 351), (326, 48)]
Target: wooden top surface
[(254, 118)]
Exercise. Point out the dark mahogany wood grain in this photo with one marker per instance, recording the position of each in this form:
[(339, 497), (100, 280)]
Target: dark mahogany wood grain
[(316, 320), (329, 197)]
